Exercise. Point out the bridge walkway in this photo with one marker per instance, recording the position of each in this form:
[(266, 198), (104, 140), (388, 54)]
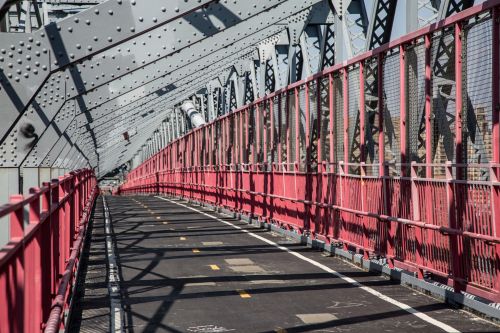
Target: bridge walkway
[(184, 268)]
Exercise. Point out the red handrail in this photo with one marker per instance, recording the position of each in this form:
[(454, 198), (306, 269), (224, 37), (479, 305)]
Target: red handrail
[(38, 263)]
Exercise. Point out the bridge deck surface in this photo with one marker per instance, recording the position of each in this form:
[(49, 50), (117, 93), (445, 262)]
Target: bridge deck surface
[(182, 270)]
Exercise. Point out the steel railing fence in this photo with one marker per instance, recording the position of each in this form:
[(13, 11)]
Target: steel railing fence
[(38, 265), (395, 153)]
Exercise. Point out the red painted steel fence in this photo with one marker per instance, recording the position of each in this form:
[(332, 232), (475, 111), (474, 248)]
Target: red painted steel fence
[(395, 153), (37, 266)]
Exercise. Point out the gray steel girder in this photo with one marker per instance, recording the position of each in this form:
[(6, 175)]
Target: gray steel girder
[(90, 102), (63, 85), (209, 70), (26, 60)]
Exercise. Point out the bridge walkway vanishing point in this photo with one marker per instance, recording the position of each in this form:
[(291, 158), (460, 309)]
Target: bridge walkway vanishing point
[(185, 268)]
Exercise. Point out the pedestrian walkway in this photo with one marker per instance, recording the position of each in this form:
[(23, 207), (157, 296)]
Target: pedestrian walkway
[(183, 268)]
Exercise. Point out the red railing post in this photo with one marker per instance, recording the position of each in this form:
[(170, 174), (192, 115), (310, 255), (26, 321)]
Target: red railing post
[(366, 244), (342, 201), (388, 235), (428, 110), (55, 233), (417, 217), (16, 219), (33, 268), (157, 183), (362, 141), (344, 164), (331, 176), (345, 92), (495, 169), (46, 249), (16, 282), (458, 100), (455, 248), (307, 162), (402, 111)]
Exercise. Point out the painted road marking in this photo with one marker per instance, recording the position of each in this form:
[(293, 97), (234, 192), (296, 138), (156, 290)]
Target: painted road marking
[(113, 276), (200, 284), (316, 318), (401, 305), (211, 243), (214, 267), (239, 261), (196, 251), (244, 294)]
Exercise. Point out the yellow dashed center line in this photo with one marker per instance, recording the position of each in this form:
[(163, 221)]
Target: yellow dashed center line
[(243, 294), (196, 251), (214, 267)]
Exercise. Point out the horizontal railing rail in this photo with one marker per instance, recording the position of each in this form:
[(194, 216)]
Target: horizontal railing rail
[(38, 264), (394, 154)]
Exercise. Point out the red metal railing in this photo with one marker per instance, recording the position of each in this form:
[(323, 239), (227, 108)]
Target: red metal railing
[(396, 153), (37, 265)]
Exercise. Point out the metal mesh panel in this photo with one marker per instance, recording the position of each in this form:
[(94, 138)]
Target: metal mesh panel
[(259, 147), (392, 126), (313, 125), (372, 115), (443, 99), (277, 125), (267, 124), (244, 141), (291, 125), (339, 119), (209, 160), (302, 127), (324, 125), (283, 127), (191, 150), (203, 145), (354, 128), (220, 145), (237, 137), (415, 97), (231, 142), (477, 117), (251, 133)]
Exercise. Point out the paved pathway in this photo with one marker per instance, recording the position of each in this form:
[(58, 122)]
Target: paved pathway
[(183, 268)]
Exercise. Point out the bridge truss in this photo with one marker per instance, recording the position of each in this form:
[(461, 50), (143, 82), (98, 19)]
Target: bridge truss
[(320, 116)]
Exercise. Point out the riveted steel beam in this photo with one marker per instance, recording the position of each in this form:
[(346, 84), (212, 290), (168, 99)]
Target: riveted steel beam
[(28, 59), (90, 103)]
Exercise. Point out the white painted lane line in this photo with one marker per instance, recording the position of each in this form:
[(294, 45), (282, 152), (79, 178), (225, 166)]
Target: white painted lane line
[(116, 311), (401, 305)]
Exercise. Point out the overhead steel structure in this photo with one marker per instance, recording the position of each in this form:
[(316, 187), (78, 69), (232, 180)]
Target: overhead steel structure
[(95, 87), (103, 87)]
